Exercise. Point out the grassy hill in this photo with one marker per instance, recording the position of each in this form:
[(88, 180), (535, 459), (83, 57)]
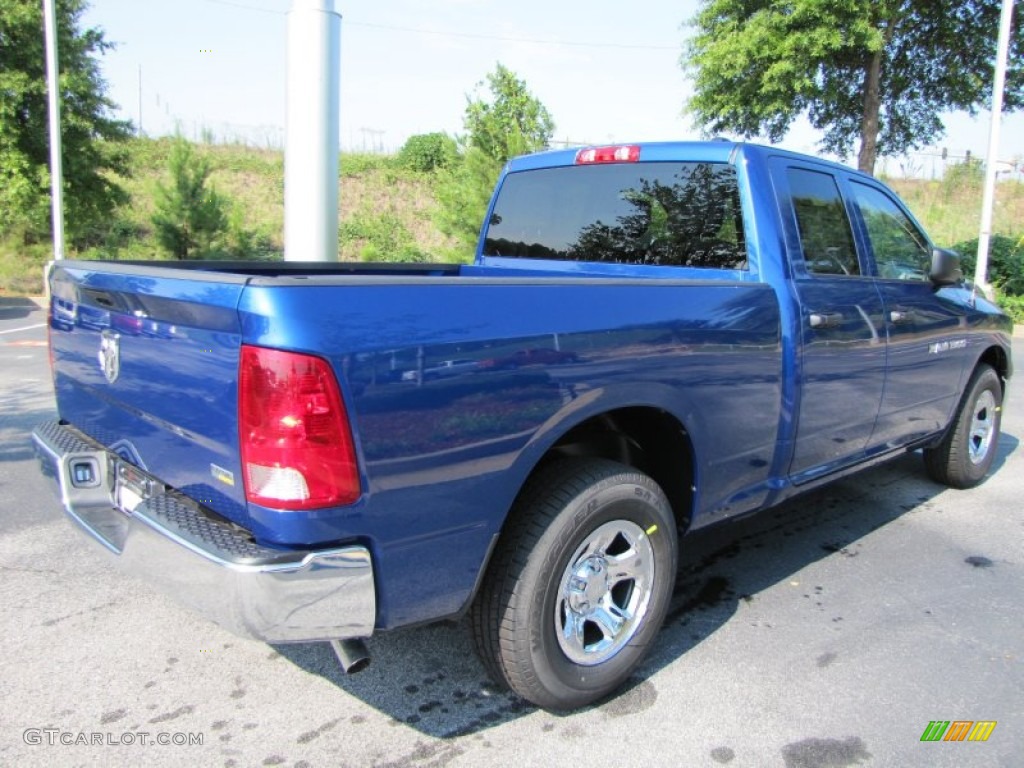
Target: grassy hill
[(386, 211), (372, 187), (383, 209)]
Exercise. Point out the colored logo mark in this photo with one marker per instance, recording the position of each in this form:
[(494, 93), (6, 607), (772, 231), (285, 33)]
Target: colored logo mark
[(958, 730)]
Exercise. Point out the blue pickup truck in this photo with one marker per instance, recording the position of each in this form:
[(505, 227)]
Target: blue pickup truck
[(653, 338)]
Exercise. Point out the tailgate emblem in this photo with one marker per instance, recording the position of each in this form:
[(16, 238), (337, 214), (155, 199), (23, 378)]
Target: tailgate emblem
[(110, 355)]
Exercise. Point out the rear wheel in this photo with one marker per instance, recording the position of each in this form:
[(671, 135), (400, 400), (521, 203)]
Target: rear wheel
[(965, 455), (579, 585)]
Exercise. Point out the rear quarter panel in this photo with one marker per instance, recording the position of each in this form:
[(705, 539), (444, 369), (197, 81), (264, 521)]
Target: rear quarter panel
[(444, 457)]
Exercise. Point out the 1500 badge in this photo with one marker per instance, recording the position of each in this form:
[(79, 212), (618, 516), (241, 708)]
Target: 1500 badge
[(945, 346)]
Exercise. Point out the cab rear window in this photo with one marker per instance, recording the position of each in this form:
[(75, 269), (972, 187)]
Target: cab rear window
[(665, 214)]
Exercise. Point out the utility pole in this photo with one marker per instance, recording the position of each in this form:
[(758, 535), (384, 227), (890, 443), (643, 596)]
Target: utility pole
[(988, 202), (56, 167), (375, 142), (311, 132)]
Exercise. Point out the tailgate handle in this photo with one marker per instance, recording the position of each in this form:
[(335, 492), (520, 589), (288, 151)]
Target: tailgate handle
[(101, 298)]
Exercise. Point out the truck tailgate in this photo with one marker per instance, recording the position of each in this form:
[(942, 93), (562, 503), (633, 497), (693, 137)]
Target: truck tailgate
[(146, 363)]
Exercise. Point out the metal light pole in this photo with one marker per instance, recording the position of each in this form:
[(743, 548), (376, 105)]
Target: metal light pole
[(56, 167), (988, 202), (312, 132)]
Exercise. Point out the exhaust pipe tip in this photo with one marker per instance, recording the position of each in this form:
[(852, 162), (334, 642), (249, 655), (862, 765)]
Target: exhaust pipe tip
[(352, 654)]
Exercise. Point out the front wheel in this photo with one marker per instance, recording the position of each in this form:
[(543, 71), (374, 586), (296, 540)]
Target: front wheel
[(580, 583), (965, 455)]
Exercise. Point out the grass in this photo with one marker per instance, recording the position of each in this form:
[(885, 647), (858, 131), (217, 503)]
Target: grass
[(383, 208), (951, 212), (21, 267)]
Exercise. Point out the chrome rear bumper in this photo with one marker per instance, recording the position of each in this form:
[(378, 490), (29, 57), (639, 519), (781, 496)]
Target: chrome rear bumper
[(210, 565)]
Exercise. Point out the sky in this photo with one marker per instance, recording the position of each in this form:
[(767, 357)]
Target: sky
[(607, 71)]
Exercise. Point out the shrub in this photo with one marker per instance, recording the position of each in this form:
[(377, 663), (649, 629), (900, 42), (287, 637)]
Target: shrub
[(359, 163), (1005, 262), (241, 242), (1014, 307), (379, 237), (125, 238), (427, 152), (966, 176)]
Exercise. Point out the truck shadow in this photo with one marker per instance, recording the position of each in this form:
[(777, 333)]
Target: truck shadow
[(17, 308), (22, 407), (1007, 445), (429, 678)]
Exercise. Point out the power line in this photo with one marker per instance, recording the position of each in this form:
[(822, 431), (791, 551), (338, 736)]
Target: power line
[(508, 39), (248, 7), (471, 35)]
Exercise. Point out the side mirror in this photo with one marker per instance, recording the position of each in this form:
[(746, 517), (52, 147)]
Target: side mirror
[(945, 267)]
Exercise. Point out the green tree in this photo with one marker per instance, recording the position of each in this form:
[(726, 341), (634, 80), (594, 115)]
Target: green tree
[(875, 71), (190, 217), (463, 193), (513, 121), (510, 122), (92, 139)]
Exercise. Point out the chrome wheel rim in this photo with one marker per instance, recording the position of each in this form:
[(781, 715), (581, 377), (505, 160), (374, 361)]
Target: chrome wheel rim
[(604, 592), (983, 427)]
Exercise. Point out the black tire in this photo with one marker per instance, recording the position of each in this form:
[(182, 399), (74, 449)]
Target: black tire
[(540, 581), (965, 455)]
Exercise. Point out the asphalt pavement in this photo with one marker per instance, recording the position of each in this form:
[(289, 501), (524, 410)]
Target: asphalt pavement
[(828, 632)]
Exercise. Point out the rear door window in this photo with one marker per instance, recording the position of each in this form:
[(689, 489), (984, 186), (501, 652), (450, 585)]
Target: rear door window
[(825, 235), (664, 214)]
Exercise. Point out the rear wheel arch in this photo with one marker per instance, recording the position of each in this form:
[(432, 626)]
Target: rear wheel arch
[(649, 439), (646, 438)]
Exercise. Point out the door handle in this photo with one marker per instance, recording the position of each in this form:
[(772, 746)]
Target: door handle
[(899, 316), (825, 319)]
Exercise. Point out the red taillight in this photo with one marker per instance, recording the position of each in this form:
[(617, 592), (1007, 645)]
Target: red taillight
[(296, 442), (625, 153)]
